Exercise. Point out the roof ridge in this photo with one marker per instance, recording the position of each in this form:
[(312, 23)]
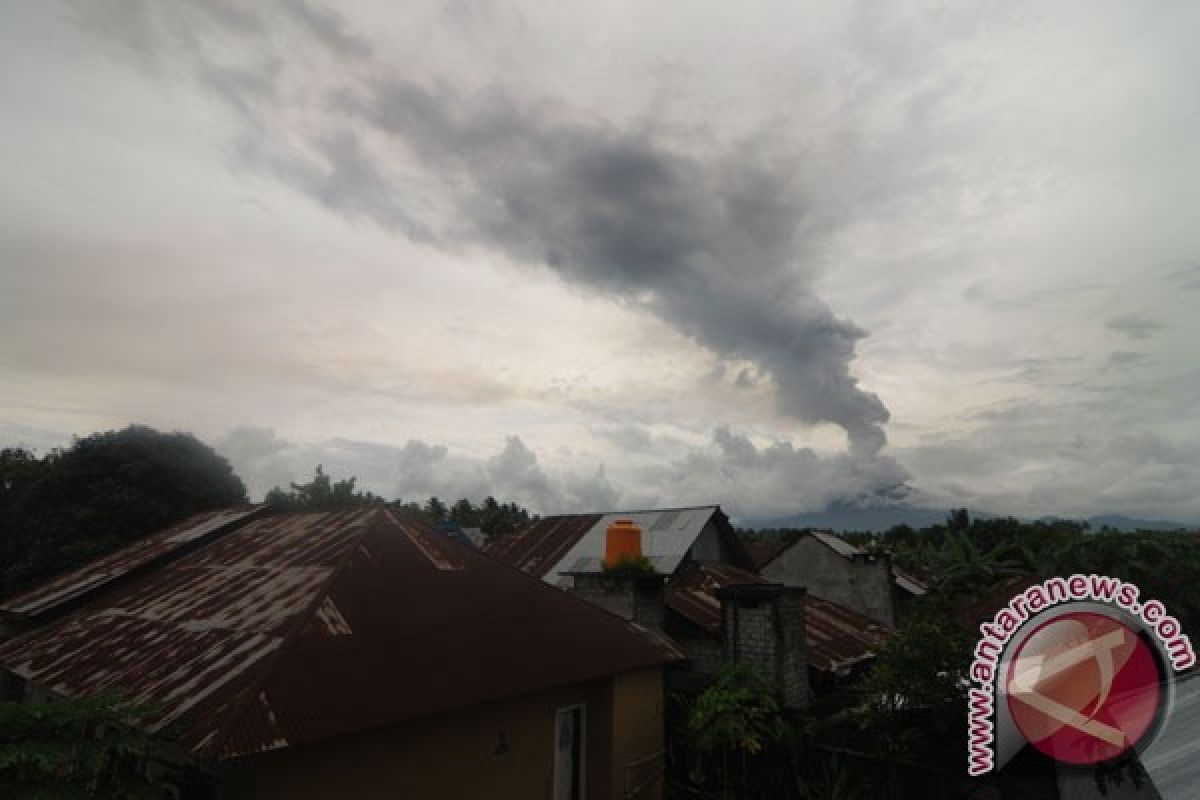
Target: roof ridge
[(291, 635), (714, 506)]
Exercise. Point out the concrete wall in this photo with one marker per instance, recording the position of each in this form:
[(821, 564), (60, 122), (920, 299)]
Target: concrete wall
[(764, 627), (501, 749), (638, 598), (707, 546), (860, 584)]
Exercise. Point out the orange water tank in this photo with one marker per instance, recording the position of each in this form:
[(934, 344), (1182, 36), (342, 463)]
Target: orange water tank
[(622, 543)]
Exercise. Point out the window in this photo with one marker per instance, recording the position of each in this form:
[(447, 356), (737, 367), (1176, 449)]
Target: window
[(568, 753)]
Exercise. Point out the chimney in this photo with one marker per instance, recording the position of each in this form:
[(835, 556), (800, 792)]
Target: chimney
[(763, 625)]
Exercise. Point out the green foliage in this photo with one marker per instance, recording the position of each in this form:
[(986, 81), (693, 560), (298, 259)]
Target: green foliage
[(732, 733), (631, 566), (915, 690), (436, 510), (738, 713), (320, 494), (88, 748), (101, 493), (495, 519)]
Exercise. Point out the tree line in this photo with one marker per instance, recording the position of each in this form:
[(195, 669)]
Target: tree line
[(72, 505)]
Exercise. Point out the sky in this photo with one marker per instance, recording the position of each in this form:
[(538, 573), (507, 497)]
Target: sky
[(625, 254)]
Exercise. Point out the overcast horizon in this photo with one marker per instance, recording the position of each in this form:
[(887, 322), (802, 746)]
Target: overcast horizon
[(622, 255)]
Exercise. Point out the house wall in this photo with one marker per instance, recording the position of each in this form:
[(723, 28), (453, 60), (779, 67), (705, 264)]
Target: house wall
[(460, 754), (638, 598), (767, 631), (707, 546), (638, 747), (860, 584)]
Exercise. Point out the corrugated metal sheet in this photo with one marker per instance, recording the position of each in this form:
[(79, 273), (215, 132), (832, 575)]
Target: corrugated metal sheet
[(300, 627), (192, 636), (836, 637), (693, 593), (558, 545), (75, 585), (542, 545), (908, 583), (837, 544)]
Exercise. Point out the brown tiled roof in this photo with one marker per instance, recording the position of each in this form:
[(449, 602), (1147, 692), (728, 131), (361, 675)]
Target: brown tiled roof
[(836, 637), (300, 627)]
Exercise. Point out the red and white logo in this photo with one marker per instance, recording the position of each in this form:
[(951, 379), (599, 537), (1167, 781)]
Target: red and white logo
[(1084, 688)]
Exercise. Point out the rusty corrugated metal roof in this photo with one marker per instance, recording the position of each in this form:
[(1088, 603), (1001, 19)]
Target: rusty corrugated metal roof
[(300, 627), (693, 593), (541, 545), (836, 637), (78, 584)]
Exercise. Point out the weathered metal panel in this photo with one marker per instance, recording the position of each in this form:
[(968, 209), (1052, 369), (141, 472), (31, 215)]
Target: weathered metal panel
[(193, 633), (837, 544), (836, 637), (667, 536), (78, 583), (300, 627)]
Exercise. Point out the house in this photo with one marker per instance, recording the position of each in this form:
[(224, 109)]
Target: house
[(552, 548), (702, 604), (707, 596), (353, 654), (839, 572)]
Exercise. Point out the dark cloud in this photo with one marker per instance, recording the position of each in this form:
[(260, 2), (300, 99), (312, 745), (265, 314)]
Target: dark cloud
[(329, 28), (1135, 326), (718, 241), (715, 243)]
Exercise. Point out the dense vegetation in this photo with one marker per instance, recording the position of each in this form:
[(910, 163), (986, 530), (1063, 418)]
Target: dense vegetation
[(104, 491), (93, 747), (323, 494), (900, 730), (78, 503)]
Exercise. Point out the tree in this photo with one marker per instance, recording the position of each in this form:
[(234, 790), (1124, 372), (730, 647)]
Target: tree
[(731, 730), (498, 520), (465, 514), (99, 494), (435, 509), (320, 494)]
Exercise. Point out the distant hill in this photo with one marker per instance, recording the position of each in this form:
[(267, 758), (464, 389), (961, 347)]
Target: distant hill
[(848, 517)]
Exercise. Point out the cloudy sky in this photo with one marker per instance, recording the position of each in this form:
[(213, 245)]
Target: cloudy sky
[(772, 255)]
